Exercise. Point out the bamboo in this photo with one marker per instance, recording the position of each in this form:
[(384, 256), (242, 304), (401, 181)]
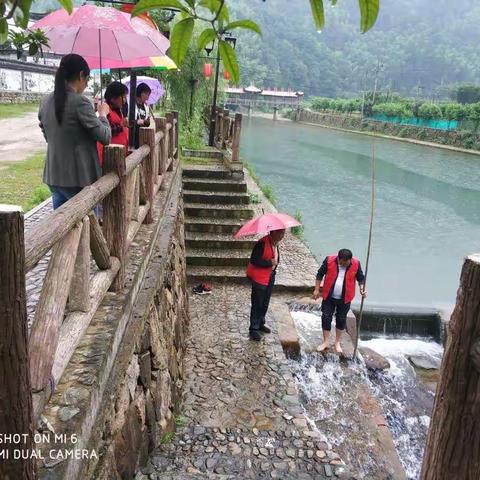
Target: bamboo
[(372, 214)]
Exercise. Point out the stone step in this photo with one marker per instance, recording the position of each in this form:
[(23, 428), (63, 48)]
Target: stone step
[(201, 273), (214, 185), (206, 171), (218, 257), (217, 211), (219, 240), (229, 198), (212, 225)]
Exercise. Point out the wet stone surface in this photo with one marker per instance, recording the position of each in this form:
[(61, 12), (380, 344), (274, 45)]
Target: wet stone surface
[(241, 416)]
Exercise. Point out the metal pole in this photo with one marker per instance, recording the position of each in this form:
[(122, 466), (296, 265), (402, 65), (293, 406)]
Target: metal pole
[(132, 109), (211, 137)]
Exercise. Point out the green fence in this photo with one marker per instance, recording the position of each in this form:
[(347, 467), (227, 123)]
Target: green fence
[(419, 122)]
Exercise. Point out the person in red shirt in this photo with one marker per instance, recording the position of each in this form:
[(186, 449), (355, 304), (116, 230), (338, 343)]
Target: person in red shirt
[(261, 272), (116, 97), (335, 283)]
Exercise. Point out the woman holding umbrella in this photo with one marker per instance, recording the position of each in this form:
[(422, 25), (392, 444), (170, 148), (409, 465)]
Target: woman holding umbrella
[(263, 265), (71, 129)]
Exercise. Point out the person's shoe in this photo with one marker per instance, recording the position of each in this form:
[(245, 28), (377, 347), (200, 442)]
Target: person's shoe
[(202, 289), (265, 329), (255, 336)]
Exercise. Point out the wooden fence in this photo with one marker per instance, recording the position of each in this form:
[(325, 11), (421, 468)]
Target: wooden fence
[(31, 365), (227, 133)]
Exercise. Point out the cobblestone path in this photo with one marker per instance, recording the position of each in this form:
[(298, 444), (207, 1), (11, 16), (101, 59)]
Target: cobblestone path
[(241, 413)]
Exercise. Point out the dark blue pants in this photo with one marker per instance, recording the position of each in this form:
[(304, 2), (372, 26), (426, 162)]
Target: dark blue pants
[(261, 295), (61, 195), (337, 306)]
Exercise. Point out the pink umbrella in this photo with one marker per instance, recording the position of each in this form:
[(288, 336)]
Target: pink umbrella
[(104, 36), (267, 223)]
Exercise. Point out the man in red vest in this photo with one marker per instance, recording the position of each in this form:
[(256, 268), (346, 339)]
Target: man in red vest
[(339, 274), (261, 272)]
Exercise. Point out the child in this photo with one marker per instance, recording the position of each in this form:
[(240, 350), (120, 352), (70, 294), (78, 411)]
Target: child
[(116, 97)]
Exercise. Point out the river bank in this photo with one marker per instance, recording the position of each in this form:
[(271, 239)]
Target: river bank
[(458, 141)]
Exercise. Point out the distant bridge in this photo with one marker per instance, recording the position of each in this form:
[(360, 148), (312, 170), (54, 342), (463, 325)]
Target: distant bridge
[(252, 97)]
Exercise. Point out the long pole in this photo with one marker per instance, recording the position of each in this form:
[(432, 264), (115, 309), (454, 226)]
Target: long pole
[(132, 109), (372, 213), (211, 137), (100, 54)]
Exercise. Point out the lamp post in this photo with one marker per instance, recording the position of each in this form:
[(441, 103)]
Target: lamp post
[(209, 48)]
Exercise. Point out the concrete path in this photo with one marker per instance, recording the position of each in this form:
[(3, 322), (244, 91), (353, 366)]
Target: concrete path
[(20, 138), (241, 414)]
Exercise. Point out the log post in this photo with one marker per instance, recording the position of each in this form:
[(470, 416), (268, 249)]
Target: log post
[(175, 138), (221, 131), (170, 145), (51, 308), (79, 300), (453, 445), (161, 124), (98, 244), (147, 137), (226, 129), (15, 389), (237, 130), (115, 222)]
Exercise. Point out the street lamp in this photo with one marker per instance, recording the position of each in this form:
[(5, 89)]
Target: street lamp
[(209, 48)]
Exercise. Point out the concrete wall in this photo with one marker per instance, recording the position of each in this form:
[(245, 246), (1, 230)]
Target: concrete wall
[(454, 138)]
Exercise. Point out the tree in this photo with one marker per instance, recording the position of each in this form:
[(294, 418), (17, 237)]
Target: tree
[(19, 12), (215, 13)]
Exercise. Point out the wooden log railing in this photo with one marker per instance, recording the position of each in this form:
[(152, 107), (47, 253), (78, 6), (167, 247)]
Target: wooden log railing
[(227, 133), (73, 235)]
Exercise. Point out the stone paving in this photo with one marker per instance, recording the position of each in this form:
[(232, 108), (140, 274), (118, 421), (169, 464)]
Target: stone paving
[(241, 414)]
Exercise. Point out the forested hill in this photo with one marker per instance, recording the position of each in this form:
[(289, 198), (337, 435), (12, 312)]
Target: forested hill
[(423, 45)]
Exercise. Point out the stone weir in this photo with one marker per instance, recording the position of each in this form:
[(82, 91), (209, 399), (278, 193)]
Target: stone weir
[(120, 393)]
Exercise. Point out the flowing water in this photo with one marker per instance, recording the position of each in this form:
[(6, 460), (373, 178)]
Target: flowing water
[(427, 211), (333, 394)]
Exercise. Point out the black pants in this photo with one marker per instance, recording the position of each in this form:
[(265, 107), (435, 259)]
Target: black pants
[(337, 306), (260, 300)]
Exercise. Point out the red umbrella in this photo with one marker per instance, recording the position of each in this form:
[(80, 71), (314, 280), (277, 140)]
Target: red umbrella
[(104, 36), (267, 223)]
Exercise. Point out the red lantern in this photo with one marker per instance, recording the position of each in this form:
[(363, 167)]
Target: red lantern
[(226, 75), (207, 70)]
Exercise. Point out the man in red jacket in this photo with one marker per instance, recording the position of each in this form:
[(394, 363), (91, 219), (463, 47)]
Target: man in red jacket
[(261, 272), (335, 283)]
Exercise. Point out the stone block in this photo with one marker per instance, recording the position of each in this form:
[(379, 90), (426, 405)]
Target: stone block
[(145, 369)]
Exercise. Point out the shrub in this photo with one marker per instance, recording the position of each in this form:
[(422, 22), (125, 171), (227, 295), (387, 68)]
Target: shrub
[(267, 190), (298, 231), (430, 111)]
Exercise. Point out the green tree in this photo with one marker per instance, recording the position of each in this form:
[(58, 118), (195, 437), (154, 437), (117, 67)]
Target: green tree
[(215, 14), (19, 12), (430, 111)]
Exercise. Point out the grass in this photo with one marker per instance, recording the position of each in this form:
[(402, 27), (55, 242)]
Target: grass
[(12, 110), (22, 182), (298, 231), (167, 437), (267, 190), (197, 161)]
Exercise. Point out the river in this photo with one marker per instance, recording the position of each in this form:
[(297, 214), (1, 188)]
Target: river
[(427, 209)]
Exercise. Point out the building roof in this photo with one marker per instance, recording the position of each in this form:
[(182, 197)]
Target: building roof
[(267, 92)]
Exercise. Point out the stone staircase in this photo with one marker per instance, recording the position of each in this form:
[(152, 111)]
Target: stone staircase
[(216, 205)]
